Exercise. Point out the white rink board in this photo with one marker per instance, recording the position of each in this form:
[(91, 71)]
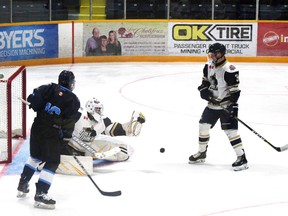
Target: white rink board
[(165, 184)]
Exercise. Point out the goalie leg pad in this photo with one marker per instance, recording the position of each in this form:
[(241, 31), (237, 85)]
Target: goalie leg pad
[(101, 145), (69, 166), (120, 156)]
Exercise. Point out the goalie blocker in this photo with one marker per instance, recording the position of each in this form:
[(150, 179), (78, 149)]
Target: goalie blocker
[(69, 166)]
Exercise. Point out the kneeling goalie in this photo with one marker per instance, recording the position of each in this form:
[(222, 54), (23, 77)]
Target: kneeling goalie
[(93, 132)]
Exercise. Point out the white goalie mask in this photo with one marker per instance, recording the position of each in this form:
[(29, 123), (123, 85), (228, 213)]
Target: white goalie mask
[(95, 108)]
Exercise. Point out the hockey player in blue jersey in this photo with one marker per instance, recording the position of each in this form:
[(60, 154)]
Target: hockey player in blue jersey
[(57, 112), (220, 87)]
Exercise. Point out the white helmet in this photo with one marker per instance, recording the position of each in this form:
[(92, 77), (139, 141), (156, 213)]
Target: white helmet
[(94, 107)]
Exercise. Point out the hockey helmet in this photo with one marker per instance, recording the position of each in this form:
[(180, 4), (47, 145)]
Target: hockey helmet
[(217, 47), (67, 79), (94, 106)]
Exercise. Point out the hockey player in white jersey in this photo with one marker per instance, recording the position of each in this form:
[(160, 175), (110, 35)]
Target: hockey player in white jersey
[(220, 88), (96, 130)]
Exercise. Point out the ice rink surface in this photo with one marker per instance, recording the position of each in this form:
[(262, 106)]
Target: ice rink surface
[(154, 183)]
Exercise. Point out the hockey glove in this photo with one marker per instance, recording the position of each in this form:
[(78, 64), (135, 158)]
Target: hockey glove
[(134, 126), (233, 110), (87, 134), (65, 136), (64, 145), (204, 90), (141, 118)]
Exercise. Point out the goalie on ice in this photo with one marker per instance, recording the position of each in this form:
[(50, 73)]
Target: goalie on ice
[(94, 131)]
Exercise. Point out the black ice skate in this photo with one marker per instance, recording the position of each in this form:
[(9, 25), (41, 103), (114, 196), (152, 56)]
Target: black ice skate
[(23, 189), (199, 157), (42, 200), (240, 163)]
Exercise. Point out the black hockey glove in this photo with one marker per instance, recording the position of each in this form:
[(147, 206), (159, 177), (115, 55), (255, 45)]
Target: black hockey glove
[(233, 110), (65, 142), (204, 90), (65, 136), (141, 119)]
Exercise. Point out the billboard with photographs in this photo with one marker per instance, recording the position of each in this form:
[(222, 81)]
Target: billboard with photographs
[(124, 38)]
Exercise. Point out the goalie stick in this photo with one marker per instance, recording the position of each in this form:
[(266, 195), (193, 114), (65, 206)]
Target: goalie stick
[(279, 149), (99, 155)]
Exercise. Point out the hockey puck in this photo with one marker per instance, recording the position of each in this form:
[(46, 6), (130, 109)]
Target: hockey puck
[(1, 76), (162, 150)]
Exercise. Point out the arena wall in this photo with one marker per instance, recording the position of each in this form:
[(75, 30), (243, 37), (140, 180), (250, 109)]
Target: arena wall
[(36, 43)]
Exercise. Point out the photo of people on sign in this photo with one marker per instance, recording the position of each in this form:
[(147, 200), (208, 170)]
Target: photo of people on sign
[(102, 45), (115, 39)]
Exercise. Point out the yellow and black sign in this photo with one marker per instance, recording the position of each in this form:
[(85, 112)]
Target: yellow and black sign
[(209, 32)]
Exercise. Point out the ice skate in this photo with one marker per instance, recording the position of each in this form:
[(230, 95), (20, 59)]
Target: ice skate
[(240, 163), (42, 200), (199, 157), (23, 189)]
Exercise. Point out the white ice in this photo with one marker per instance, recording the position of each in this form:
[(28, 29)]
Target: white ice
[(154, 183)]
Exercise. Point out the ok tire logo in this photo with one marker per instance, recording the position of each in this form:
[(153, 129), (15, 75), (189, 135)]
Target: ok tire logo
[(223, 32)]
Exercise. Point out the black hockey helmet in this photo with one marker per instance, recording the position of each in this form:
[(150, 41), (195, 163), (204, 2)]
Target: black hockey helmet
[(217, 47), (67, 79)]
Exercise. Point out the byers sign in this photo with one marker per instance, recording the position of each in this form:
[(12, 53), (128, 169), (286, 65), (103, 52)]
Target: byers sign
[(28, 42)]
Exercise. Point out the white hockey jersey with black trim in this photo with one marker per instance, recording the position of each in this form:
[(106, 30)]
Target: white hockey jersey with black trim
[(224, 80)]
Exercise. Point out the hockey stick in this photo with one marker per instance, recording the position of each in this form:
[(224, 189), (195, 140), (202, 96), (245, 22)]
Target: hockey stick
[(105, 193), (279, 149), (99, 155), (23, 101)]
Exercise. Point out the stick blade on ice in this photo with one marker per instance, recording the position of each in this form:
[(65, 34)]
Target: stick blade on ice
[(284, 148)]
